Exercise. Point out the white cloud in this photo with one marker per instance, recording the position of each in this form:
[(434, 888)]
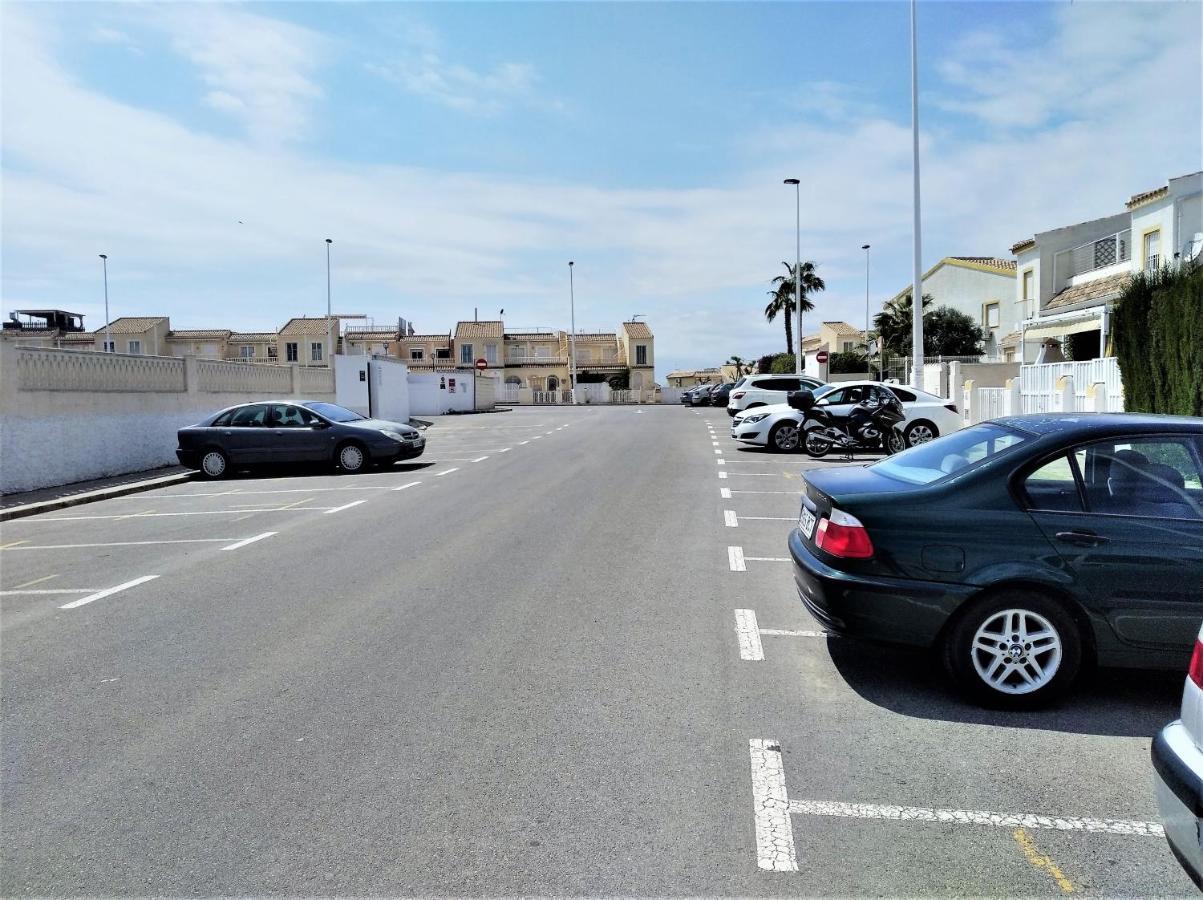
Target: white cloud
[(85, 174), (103, 34), (258, 69)]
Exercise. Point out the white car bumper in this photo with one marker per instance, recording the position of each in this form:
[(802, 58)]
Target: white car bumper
[(756, 433), (1178, 767)]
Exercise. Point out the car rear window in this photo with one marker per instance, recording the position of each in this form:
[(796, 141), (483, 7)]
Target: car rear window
[(931, 462)]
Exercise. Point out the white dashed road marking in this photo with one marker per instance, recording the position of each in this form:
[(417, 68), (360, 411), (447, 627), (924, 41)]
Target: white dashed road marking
[(722, 474), (781, 632), (730, 519), (108, 592), (119, 544), (43, 591), (749, 635), (410, 484), (767, 558), (480, 459), (252, 540), (344, 506), (718, 451), (445, 472), (721, 461), (771, 518), (974, 817), (725, 493), (735, 556), (771, 808)]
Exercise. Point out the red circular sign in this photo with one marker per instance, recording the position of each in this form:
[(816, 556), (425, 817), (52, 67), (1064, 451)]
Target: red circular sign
[(821, 356), (482, 363)]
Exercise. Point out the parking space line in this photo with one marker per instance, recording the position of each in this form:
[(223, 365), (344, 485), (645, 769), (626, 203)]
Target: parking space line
[(721, 461), (781, 632), (974, 817), (480, 459), (725, 493), (45, 591), (345, 506), (237, 544), (771, 809), (766, 559), (445, 472), (735, 556), (771, 518), (304, 490), (297, 503), (761, 474), (198, 512), (536, 437), (718, 451), (746, 629), (506, 450), (730, 519), (794, 493), (1040, 861), (41, 580), (123, 544), (12, 544), (402, 487), (107, 592), (520, 443), (722, 474)]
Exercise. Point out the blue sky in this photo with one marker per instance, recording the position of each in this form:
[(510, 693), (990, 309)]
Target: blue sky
[(460, 154)]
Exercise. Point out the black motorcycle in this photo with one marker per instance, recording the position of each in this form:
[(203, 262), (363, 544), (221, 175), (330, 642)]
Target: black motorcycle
[(874, 424)]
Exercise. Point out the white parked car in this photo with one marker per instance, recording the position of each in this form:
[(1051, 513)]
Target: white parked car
[(753, 391), (1178, 768), (776, 426)]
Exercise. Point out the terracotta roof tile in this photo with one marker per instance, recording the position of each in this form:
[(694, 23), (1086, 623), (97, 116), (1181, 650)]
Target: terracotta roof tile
[(1020, 246), (1097, 290), (842, 328), (252, 336), (1146, 196), (992, 262), (198, 334), (638, 330), (1009, 341), (132, 324), (532, 335), (379, 334), (478, 330), (303, 325)]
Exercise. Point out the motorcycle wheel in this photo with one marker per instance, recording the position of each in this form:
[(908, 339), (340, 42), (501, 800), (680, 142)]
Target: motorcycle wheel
[(816, 445), (893, 442)]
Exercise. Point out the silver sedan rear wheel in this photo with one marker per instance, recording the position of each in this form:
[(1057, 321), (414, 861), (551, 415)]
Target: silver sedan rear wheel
[(920, 433), (351, 458)]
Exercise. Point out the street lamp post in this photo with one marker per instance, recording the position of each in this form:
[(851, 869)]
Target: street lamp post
[(797, 273), (108, 343), (865, 247), (572, 334), (328, 243), (917, 267)]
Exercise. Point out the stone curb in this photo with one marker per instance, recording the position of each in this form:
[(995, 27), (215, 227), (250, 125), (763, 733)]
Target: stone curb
[(120, 490)]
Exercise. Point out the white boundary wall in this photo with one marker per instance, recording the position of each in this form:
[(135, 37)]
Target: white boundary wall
[(71, 415)]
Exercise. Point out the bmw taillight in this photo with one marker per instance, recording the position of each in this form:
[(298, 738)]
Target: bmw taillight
[(1195, 672), (738, 395), (843, 535)]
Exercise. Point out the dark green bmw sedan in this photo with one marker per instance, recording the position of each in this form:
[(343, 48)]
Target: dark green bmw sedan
[(1021, 549)]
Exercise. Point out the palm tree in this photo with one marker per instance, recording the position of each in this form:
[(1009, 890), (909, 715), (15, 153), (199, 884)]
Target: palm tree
[(742, 366), (894, 324), (783, 297)]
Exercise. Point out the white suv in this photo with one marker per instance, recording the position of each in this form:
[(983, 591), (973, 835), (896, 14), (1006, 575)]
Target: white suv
[(765, 390), (1178, 768)]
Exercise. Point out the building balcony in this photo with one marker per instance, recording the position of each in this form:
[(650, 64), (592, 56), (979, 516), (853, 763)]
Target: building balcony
[(1095, 259), (536, 361)]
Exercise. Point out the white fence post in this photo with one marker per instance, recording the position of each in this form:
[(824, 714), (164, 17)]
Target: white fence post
[(1013, 404), (1067, 400), (968, 406), (954, 380), (1096, 397)]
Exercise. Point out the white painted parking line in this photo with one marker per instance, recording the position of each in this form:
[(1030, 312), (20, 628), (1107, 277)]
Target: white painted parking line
[(974, 817), (749, 635), (506, 450), (761, 474), (402, 487), (781, 632), (735, 556), (722, 474), (259, 537), (330, 512), (718, 451), (795, 493), (771, 518), (480, 459), (121, 544), (771, 809), (445, 472), (40, 591), (766, 559), (536, 437), (198, 512), (520, 443), (107, 592), (721, 462), (305, 490), (725, 493), (730, 519), (714, 443)]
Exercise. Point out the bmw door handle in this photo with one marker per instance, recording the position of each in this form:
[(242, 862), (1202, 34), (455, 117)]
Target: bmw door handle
[(1082, 538)]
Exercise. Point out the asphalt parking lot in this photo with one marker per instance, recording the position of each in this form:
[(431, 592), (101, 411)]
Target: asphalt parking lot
[(558, 654)]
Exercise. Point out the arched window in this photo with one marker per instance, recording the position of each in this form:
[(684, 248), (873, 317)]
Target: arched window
[(553, 383), (513, 381)]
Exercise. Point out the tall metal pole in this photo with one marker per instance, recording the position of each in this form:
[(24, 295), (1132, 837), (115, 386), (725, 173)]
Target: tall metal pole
[(572, 335), (328, 243), (108, 342), (917, 270), (865, 247), (797, 348)]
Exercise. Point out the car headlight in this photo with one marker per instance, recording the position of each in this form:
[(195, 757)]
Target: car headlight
[(391, 434), (756, 418)]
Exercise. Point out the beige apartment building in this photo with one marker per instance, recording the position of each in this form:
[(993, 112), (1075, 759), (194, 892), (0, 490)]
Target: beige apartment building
[(535, 359)]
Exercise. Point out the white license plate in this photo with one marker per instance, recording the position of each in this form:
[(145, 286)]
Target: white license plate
[(806, 522)]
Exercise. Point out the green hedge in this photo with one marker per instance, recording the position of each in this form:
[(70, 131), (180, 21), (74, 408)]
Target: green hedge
[(1158, 329)]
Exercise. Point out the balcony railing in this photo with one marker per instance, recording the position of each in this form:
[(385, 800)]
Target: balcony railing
[(1114, 250), (516, 360)]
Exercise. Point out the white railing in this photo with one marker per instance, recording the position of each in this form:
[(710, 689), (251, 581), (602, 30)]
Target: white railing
[(1101, 253), (1039, 392), (515, 360), (509, 393)]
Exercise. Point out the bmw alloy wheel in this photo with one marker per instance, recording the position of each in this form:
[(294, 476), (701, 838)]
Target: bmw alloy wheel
[(1016, 651)]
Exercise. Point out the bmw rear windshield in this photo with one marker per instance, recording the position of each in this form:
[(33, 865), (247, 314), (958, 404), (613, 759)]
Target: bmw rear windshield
[(950, 455)]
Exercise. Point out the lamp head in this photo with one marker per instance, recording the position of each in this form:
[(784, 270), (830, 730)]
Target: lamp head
[(792, 181)]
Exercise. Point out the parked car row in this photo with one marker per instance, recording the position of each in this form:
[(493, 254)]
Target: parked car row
[(707, 394), (305, 432), (782, 428)]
